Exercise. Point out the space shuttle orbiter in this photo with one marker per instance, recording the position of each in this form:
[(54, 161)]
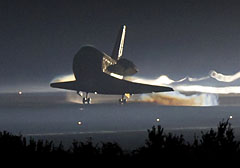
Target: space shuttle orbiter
[(96, 72)]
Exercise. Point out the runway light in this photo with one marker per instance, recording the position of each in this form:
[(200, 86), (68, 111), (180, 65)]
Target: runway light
[(79, 123), (158, 120), (19, 92), (230, 117)]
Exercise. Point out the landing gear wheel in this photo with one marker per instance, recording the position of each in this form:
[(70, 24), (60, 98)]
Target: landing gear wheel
[(89, 100), (86, 100), (122, 101)]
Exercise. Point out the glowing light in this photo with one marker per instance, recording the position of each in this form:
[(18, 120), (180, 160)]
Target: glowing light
[(158, 120), (127, 95), (79, 123), (20, 93), (162, 80), (116, 76), (95, 92), (230, 117)]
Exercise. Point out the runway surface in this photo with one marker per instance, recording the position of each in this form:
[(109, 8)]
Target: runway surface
[(52, 116)]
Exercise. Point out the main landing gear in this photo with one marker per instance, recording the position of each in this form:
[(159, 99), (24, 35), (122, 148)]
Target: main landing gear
[(122, 100), (86, 99)]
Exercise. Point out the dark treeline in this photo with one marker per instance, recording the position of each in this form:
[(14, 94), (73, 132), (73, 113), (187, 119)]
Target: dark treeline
[(214, 145)]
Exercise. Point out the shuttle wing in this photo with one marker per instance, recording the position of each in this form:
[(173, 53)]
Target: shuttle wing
[(110, 85), (119, 86), (69, 85)]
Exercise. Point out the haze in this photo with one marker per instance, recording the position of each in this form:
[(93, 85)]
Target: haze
[(175, 38)]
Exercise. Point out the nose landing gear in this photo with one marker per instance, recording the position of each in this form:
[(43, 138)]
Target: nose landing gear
[(122, 100), (86, 99)]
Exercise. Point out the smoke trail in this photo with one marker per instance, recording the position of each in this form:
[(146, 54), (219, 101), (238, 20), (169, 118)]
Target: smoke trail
[(161, 80), (178, 99), (165, 80), (218, 76), (208, 89), (198, 79), (224, 78), (207, 96)]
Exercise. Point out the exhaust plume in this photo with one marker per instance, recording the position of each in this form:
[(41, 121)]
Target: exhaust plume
[(179, 99)]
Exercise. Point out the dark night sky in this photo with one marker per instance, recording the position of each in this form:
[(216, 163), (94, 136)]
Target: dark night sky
[(38, 39)]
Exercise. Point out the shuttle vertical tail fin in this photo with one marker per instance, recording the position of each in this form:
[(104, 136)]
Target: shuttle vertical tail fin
[(118, 48)]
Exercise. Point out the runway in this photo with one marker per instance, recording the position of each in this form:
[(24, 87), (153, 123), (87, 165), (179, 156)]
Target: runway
[(51, 116)]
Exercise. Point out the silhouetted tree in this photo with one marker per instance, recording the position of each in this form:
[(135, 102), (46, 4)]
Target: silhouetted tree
[(160, 145), (214, 145), (11, 143), (85, 150), (219, 144), (111, 150)]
